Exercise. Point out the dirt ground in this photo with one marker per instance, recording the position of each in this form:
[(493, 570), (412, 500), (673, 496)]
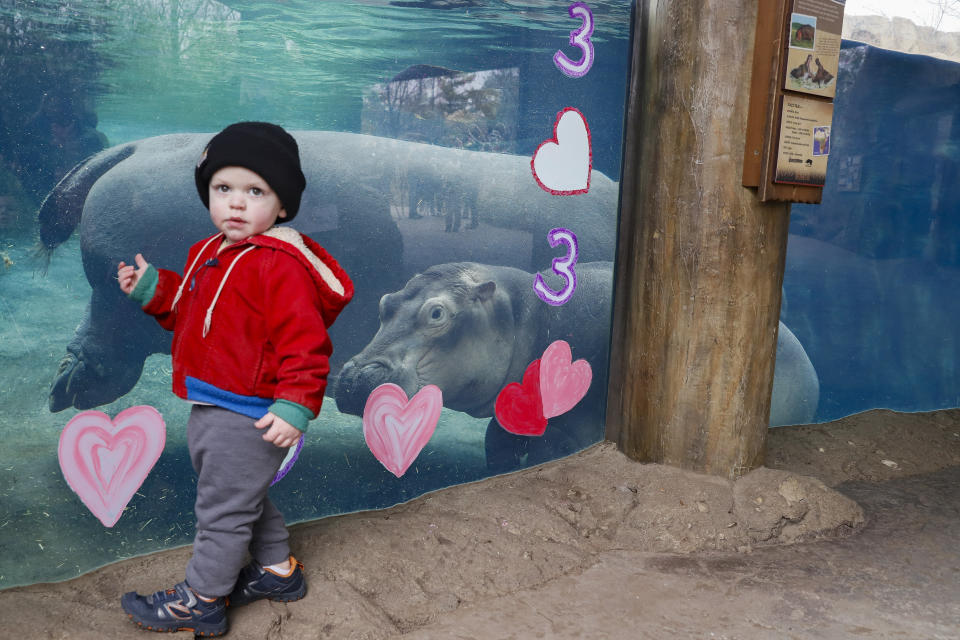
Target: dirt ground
[(851, 531)]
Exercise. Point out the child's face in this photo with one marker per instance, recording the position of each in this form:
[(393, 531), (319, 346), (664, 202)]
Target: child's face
[(242, 204)]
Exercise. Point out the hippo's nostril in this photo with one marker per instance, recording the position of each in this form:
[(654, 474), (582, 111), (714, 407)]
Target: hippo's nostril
[(374, 370), (357, 382)]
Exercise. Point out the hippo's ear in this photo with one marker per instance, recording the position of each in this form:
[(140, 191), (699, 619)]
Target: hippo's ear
[(484, 292)]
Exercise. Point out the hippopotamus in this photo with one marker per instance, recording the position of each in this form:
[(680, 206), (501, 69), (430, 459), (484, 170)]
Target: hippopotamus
[(796, 386), (140, 197), (470, 329)]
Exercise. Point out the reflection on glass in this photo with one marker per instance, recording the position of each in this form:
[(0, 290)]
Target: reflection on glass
[(477, 111)]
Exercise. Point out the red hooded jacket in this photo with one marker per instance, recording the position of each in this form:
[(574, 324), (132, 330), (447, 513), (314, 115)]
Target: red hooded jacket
[(250, 322)]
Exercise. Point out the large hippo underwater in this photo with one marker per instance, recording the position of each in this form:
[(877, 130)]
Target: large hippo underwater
[(140, 197), (471, 329), (888, 337)]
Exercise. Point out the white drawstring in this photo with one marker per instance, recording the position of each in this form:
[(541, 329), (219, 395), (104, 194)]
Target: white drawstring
[(209, 316), (186, 276)]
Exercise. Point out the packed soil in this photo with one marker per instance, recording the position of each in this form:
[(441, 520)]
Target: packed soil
[(850, 531)]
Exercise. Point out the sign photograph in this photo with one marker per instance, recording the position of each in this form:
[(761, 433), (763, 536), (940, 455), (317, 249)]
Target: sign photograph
[(813, 55)]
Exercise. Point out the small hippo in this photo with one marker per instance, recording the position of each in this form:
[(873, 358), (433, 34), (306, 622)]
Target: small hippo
[(471, 329), (805, 32)]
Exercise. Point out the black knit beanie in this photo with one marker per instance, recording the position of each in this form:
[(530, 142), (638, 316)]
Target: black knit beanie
[(264, 148)]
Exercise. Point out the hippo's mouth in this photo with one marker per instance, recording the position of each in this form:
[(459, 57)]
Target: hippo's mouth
[(355, 384)]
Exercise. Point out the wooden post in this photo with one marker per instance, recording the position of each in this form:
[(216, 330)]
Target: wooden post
[(700, 258)]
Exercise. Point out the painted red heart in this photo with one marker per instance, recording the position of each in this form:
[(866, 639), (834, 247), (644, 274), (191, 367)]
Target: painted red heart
[(519, 408)]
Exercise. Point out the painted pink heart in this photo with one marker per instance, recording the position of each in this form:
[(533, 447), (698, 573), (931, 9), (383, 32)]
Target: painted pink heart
[(396, 430), (518, 407), (562, 383), (562, 165), (105, 461)]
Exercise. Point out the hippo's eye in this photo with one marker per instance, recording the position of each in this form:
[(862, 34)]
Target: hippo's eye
[(435, 314)]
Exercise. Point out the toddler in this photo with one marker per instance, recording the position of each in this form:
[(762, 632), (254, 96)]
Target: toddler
[(250, 351)]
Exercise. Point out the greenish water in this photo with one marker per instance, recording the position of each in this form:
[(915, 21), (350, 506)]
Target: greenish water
[(192, 65), (79, 76)]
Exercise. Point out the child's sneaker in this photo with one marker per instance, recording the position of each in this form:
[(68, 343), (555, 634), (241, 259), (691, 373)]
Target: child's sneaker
[(256, 582), (177, 609)]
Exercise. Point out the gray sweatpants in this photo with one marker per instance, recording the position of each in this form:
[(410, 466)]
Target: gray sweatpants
[(235, 467)]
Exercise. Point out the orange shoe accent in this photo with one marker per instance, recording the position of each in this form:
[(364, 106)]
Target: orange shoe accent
[(293, 567)]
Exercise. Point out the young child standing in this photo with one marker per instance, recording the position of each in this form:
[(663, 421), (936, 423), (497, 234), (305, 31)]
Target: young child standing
[(250, 351)]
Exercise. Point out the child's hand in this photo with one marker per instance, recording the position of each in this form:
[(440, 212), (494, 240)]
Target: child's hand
[(128, 276), (281, 433)]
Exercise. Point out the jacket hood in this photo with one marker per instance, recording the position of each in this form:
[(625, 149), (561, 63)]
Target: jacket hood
[(334, 284)]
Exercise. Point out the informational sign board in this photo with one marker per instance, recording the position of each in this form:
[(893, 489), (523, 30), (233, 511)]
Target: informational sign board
[(796, 57), (804, 141)]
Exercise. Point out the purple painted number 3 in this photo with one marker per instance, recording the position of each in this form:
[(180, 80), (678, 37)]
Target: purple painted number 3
[(563, 267), (579, 38)]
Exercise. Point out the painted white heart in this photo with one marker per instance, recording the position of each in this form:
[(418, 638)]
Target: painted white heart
[(562, 164)]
